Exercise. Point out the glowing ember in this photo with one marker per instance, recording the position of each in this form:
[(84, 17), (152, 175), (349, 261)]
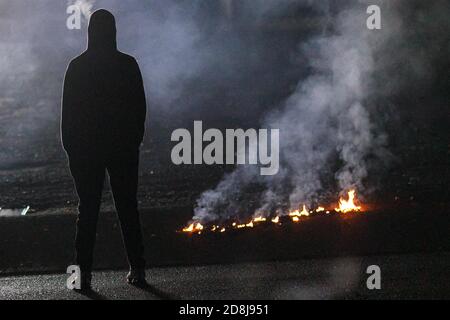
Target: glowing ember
[(276, 220), (348, 205), (259, 219), (320, 209)]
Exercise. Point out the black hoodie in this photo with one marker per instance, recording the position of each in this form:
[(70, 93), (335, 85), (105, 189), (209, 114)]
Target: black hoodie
[(103, 107)]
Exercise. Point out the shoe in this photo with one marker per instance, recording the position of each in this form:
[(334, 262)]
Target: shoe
[(136, 276)]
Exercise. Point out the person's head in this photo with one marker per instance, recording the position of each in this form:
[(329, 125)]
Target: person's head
[(102, 31)]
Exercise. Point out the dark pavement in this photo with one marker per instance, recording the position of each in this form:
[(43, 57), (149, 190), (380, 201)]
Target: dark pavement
[(417, 276)]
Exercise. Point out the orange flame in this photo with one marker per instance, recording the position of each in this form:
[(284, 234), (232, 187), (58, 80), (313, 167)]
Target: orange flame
[(276, 219), (193, 227), (259, 219), (295, 215), (298, 213), (345, 206), (348, 205)]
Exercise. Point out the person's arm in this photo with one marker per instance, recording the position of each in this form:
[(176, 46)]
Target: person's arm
[(140, 102), (68, 109)]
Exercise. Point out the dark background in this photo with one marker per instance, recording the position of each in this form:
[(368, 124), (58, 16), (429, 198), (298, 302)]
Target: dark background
[(229, 71)]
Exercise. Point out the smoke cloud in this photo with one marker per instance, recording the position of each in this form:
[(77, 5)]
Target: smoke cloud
[(85, 7), (331, 125)]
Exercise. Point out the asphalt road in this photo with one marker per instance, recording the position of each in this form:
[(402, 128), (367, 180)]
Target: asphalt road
[(418, 276)]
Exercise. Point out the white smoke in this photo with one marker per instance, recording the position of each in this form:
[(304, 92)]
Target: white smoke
[(327, 117), (85, 7)]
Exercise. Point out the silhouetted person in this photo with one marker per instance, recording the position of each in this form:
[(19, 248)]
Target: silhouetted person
[(103, 123)]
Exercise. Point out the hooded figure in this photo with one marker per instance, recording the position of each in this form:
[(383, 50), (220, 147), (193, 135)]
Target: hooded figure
[(103, 123), (104, 103)]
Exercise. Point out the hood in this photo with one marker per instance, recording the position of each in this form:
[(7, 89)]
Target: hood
[(102, 31)]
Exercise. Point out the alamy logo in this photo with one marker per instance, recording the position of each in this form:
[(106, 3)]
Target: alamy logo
[(74, 280), (374, 20), (77, 11), (241, 147), (374, 280)]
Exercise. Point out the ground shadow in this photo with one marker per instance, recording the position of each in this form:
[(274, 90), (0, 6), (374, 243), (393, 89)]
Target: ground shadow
[(148, 288), (92, 295)]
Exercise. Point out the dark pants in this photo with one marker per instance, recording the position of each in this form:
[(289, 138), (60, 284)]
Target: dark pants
[(89, 175)]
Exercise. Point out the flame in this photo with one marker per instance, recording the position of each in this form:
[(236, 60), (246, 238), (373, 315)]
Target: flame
[(297, 213), (194, 227), (244, 225), (345, 205), (348, 205), (259, 219)]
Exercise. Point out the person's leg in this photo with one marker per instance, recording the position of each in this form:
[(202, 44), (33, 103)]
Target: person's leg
[(123, 171), (89, 178)]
